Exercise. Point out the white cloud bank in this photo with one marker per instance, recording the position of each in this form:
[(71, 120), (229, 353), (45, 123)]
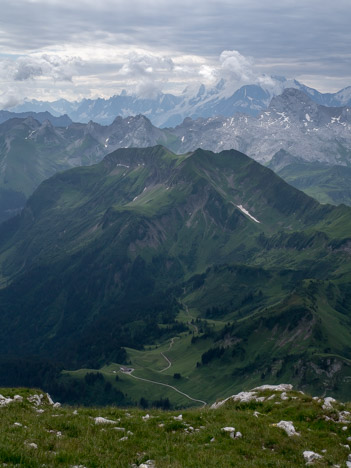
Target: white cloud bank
[(31, 67), (77, 72), (58, 74), (84, 48), (235, 66)]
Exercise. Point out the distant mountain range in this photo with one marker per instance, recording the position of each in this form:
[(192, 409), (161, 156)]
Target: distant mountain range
[(114, 255), (31, 151), (60, 121), (167, 110), (292, 122)]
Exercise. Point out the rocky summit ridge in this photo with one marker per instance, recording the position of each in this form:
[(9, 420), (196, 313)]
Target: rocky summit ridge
[(292, 122)]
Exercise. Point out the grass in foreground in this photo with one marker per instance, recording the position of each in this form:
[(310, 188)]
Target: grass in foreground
[(36, 433)]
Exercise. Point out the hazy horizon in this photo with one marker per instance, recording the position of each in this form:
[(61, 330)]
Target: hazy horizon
[(73, 50)]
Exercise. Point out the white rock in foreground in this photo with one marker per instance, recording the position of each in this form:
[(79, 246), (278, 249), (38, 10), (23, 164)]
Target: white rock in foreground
[(232, 433), (4, 401), (228, 429), (50, 400), (288, 427), (101, 420), (311, 457), (36, 399), (31, 445), (275, 388), (344, 417), (328, 403), (245, 397), (148, 464)]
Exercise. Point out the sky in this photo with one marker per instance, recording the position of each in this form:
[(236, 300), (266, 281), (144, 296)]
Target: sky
[(52, 49)]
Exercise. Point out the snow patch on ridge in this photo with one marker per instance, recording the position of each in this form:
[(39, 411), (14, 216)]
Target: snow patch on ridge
[(248, 214)]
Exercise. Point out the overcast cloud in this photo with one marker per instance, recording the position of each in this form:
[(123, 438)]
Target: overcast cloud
[(74, 49)]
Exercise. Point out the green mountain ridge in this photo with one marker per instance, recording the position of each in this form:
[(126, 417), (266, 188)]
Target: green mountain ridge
[(251, 275), (31, 151), (325, 183)]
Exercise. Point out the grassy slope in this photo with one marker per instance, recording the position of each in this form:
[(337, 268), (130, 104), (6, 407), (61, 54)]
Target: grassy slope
[(103, 216), (66, 438), (303, 338), (324, 183)]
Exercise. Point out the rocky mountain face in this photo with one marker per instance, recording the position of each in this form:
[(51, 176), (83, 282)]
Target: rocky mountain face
[(113, 255), (30, 152), (292, 122), (339, 99), (167, 110)]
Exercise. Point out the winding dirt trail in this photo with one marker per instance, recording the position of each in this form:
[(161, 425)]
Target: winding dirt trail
[(129, 371), (196, 330), (164, 385), (166, 358)]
